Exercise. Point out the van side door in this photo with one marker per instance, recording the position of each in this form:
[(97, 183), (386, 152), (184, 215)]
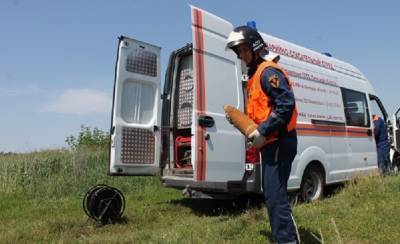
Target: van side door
[(379, 110), (359, 130), (395, 122)]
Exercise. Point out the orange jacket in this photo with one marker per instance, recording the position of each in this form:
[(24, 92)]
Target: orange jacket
[(258, 106)]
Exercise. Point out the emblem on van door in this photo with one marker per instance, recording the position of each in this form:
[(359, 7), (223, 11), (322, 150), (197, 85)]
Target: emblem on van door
[(274, 80)]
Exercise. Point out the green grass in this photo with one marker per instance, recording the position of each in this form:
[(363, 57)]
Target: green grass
[(41, 201)]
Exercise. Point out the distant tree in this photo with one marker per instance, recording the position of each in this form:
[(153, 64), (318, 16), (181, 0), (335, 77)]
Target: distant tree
[(89, 138)]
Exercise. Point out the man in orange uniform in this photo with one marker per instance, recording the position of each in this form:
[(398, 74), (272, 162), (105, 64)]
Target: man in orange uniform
[(271, 104)]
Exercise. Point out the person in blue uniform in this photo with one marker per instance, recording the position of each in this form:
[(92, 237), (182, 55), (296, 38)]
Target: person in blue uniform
[(271, 104), (382, 144)]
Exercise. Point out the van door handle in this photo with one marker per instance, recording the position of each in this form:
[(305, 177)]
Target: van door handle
[(206, 121)]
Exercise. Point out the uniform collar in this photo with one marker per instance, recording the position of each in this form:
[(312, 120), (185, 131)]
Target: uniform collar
[(268, 57), (253, 66)]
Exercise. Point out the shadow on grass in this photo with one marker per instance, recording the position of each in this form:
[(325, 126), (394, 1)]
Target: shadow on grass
[(306, 236), (332, 190), (123, 220), (218, 207), (235, 206), (329, 191)]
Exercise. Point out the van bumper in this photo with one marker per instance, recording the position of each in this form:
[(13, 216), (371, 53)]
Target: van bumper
[(250, 183)]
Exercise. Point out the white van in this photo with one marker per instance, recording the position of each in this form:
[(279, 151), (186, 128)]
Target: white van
[(182, 131)]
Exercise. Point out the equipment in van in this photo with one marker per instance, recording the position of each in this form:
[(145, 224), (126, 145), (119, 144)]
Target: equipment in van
[(240, 120)]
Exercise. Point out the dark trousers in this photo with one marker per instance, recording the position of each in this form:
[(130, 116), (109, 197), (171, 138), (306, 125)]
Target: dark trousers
[(383, 159), (277, 161)]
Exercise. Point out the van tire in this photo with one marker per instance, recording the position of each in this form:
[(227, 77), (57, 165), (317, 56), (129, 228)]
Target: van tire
[(312, 184), (395, 167)]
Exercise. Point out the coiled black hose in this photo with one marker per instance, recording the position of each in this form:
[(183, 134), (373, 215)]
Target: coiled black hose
[(104, 203)]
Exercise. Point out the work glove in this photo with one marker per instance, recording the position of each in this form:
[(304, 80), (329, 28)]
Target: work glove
[(256, 139), (228, 118)]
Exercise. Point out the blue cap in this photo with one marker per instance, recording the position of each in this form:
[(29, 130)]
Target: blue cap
[(252, 24)]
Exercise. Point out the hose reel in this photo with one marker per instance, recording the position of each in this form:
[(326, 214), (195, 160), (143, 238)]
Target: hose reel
[(104, 204)]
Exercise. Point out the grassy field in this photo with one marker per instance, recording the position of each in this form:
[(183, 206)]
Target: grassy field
[(41, 201)]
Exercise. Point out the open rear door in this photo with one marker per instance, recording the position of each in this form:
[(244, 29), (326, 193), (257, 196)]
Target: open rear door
[(218, 149), (135, 126)]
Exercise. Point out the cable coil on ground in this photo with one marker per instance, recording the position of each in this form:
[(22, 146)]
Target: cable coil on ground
[(104, 203)]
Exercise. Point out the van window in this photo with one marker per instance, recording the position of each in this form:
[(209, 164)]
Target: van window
[(355, 108)]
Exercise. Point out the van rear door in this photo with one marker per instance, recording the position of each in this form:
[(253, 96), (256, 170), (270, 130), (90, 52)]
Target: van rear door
[(135, 126), (218, 149)]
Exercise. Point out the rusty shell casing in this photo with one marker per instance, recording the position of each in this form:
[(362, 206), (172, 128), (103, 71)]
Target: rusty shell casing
[(240, 120)]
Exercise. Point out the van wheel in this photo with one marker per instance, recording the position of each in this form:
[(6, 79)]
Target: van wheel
[(312, 184), (395, 165)]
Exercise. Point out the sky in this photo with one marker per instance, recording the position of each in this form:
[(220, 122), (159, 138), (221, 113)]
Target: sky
[(57, 58)]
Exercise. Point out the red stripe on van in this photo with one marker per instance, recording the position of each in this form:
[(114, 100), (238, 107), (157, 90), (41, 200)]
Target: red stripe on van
[(330, 130), (357, 132), (200, 93)]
